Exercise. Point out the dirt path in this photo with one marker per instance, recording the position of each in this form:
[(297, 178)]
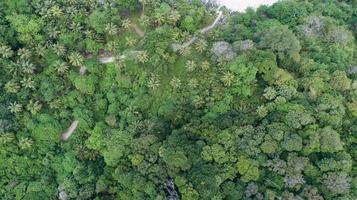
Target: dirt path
[(214, 24), (137, 30), (70, 130), (178, 47)]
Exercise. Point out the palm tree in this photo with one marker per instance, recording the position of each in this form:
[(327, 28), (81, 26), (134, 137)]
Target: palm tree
[(201, 46), (186, 51), (159, 18), (176, 34), (193, 83), (228, 78), (77, 27), (55, 11), (61, 67), (198, 101), (111, 46), (125, 24), (190, 66), (72, 11), (28, 83), (24, 53), (175, 83), (55, 104), (221, 61), (59, 49), (11, 87), (53, 33), (144, 20), (6, 138), (205, 65), (15, 107), (34, 107), (185, 34), (25, 143), (143, 57), (6, 51), (119, 64), (13, 68), (89, 34), (27, 67), (41, 50), (165, 56), (154, 81), (111, 29), (130, 41), (174, 17), (72, 2), (76, 59)]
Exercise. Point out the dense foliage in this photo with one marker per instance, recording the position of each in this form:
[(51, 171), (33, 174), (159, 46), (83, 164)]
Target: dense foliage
[(264, 106)]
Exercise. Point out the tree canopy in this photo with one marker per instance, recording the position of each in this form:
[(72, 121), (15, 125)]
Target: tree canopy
[(263, 105)]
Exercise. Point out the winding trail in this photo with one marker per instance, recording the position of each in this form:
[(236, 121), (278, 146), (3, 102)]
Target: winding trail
[(137, 30), (110, 59), (83, 70), (178, 47), (106, 59), (216, 21)]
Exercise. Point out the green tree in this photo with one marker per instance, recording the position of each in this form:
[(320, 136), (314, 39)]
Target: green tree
[(330, 140), (248, 169), (292, 142), (28, 27), (76, 59), (282, 41)]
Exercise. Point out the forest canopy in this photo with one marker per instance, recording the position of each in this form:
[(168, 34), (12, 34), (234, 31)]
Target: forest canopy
[(177, 99)]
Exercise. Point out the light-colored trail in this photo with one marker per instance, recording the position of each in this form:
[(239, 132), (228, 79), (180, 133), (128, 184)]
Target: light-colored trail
[(137, 30), (214, 24), (65, 136), (178, 47)]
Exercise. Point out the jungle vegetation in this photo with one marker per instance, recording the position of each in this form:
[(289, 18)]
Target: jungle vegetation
[(261, 107)]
